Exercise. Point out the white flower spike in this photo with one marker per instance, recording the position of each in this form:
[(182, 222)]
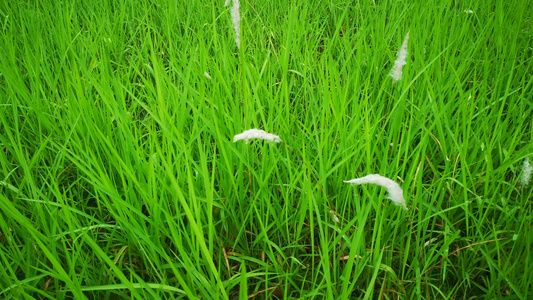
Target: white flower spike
[(396, 72), (526, 172), (395, 191), (236, 18), (256, 134)]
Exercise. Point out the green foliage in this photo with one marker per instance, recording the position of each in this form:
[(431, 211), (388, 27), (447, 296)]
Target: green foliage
[(119, 177)]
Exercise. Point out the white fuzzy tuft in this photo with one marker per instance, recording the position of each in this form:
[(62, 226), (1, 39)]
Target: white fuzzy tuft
[(395, 191), (227, 2), (207, 75), (396, 72), (236, 18), (256, 134), (526, 172)]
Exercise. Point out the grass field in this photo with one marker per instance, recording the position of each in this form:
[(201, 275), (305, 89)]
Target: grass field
[(120, 178)]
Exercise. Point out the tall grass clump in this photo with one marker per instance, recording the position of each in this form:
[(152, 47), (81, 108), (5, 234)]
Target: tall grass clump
[(120, 178)]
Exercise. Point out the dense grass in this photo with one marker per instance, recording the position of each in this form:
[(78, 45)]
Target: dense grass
[(119, 178)]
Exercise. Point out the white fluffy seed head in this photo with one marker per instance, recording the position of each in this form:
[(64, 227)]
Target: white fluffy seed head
[(395, 191), (256, 134), (526, 172), (236, 18), (396, 72), (227, 2)]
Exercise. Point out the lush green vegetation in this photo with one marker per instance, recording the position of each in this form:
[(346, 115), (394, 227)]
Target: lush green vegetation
[(119, 177)]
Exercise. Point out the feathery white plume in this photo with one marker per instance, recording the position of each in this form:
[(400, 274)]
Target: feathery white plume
[(236, 18), (395, 191), (526, 172), (257, 134), (207, 75), (396, 72), (227, 2)]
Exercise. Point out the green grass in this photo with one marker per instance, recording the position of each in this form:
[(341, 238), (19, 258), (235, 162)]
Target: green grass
[(119, 177)]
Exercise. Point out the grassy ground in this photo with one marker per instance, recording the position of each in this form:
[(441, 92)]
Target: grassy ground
[(119, 177)]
